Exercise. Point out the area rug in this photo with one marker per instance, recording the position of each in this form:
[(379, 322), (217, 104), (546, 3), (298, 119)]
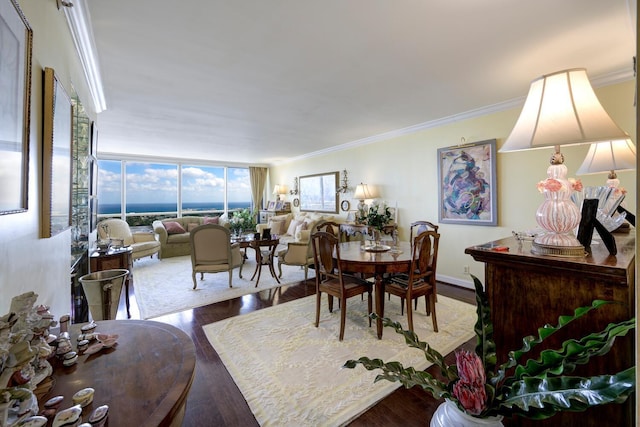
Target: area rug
[(164, 286), (291, 374)]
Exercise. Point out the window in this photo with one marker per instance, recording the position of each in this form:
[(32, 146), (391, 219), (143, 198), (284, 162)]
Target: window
[(164, 190), (109, 188)]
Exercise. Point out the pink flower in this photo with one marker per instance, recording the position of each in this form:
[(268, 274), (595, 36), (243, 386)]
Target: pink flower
[(470, 369), (472, 397), (549, 184), (576, 184), (469, 390)]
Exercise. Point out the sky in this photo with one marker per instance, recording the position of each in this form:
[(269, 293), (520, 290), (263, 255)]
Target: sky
[(158, 183)]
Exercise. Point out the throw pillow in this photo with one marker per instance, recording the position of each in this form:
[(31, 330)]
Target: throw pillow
[(174, 227), (277, 227), (299, 229), (211, 220), (191, 226), (291, 231)]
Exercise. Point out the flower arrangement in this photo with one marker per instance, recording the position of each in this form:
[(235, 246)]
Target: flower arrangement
[(242, 220), (535, 389), (378, 216)]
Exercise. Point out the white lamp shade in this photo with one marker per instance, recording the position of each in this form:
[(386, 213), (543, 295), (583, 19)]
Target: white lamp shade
[(362, 192), (561, 109), (279, 189), (617, 155)]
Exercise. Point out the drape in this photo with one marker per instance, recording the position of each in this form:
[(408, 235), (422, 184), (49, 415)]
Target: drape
[(258, 178)]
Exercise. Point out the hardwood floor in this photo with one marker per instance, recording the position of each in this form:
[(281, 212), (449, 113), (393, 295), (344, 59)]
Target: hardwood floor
[(215, 400)]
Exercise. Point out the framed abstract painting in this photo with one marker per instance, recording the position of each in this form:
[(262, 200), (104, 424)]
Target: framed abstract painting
[(467, 184)]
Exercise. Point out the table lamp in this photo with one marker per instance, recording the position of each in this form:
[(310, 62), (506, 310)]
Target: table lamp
[(362, 193), (279, 191), (561, 108), (609, 156)]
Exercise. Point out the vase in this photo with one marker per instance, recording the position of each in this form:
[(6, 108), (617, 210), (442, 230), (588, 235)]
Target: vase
[(449, 415)]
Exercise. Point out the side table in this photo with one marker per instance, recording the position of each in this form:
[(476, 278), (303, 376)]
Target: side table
[(114, 258), (265, 252)]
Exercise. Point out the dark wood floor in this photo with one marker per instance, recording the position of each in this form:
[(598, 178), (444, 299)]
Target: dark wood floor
[(215, 400)]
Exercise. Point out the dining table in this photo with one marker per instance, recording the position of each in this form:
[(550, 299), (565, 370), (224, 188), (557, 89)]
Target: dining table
[(356, 257)]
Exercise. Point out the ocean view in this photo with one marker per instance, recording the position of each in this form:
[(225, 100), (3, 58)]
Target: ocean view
[(113, 208)]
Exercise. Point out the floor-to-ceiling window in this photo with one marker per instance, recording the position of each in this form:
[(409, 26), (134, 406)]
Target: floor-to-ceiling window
[(142, 192)]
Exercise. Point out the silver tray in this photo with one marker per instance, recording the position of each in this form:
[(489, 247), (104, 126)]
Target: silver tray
[(377, 248)]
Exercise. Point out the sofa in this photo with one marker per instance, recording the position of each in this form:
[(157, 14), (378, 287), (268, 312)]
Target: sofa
[(142, 244), (289, 227), (173, 233)]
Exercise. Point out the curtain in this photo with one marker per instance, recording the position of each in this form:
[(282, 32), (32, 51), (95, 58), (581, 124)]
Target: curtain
[(258, 178)]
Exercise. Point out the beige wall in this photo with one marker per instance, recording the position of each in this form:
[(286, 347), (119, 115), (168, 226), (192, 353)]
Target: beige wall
[(405, 171), (26, 261)]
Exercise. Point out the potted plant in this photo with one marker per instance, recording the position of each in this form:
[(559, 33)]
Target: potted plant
[(478, 388), (242, 220)]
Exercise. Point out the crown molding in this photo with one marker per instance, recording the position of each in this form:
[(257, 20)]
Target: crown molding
[(603, 80), (79, 23)]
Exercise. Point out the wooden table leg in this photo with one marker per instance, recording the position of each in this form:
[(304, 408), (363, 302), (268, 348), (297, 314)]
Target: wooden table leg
[(126, 295)]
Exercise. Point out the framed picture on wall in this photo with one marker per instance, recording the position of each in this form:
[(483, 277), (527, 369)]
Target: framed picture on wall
[(467, 184), (16, 38)]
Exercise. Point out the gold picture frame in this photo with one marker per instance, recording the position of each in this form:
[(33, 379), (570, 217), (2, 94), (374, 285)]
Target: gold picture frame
[(15, 107), (318, 192), (55, 215)]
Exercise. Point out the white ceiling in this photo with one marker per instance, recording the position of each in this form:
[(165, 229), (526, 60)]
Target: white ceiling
[(261, 82)]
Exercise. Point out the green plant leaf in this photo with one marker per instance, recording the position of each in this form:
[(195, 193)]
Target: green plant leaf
[(485, 346), (542, 397), (530, 341), (412, 340), (574, 352), (408, 377)]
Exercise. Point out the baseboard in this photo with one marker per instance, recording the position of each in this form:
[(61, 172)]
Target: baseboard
[(455, 281)]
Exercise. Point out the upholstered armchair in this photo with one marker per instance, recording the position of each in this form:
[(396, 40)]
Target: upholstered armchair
[(213, 252), (297, 253), (142, 244)]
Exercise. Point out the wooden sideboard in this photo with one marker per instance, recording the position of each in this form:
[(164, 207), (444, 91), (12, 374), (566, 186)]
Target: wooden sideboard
[(527, 291)]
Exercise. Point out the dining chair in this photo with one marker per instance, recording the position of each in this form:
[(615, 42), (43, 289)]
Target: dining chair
[(421, 278), (418, 227), (213, 252), (331, 280)]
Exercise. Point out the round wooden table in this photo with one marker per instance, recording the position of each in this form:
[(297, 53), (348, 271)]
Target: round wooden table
[(145, 379), (356, 259)]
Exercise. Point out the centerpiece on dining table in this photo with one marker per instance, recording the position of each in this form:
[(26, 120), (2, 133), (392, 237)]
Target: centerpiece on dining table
[(378, 216), (241, 221)]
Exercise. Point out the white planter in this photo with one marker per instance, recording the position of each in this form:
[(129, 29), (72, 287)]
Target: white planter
[(448, 415)]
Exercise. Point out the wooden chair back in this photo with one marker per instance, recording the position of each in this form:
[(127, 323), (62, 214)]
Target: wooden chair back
[(418, 227), (325, 244)]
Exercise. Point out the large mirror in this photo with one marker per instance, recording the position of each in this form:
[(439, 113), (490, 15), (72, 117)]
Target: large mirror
[(56, 157), (318, 192)]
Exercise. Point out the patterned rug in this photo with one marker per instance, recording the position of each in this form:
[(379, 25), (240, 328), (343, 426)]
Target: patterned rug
[(164, 286), (290, 372)]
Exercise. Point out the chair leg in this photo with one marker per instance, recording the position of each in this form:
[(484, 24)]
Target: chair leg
[(230, 277), (410, 314), (432, 300), (402, 306), (318, 301), (280, 269), (343, 317), (306, 272), (330, 301), (370, 308), (193, 277)]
